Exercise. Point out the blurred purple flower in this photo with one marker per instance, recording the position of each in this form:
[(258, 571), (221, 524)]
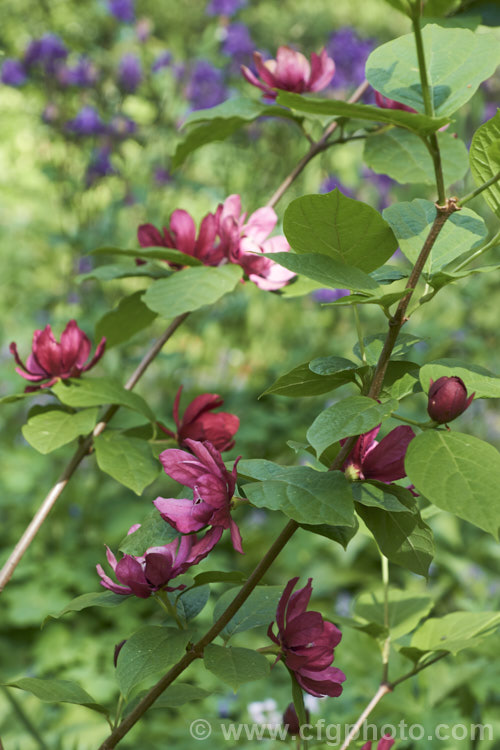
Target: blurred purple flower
[(99, 166), (86, 122), (129, 73), (331, 183), (122, 126), (13, 73), (83, 74), (163, 60), (350, 53), (490, 110), (206, 86), (383, 184), (238, 43), (47, 51), (329, 295), (224, 7), (123, 10), (143, 29), (162, 176)]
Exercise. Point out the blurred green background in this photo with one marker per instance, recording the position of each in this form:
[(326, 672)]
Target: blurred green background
[(53, 212)]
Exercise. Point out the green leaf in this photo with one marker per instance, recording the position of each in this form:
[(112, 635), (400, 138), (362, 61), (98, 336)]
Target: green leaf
[(13, 397), (417, 123), (401, 379), (51, 428), (57, 691), (412, 222), (458, 473), (152, 649), (190, 603), (476, 379), (442, 278), (173, 697), (80, 393), (351, 416), (403, 538), (304, 381), (235, 666), (380, 495), (94, 599), (130, 317), (259, 609), (344, 229), (153, 532), (128, 460), (485, 159), (125, 270), (331, 365), (405, 609), (306, 495), (340, 534), (219, 576), (151, 253), (383, 299), (374, 344), (393, 68), (218, 123), (455, 631), (326, 271), (404, 157), (191, 288)]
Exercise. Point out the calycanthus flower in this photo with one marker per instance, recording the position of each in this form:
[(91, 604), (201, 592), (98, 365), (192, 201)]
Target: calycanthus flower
[(384, 461), (307, 642), (213, 487), (154, 571), (291, 71), (51, 361), (199, 423)]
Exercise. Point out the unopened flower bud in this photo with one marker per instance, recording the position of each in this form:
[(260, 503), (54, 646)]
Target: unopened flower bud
[(448, 399), (291, 720), (116, 654)]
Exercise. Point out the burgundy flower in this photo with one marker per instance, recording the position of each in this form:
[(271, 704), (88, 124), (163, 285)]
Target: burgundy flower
[(154, 571), (307, 642), (385, 103), (213, 488), (291, 71), (291, 720), (384, 744), (246, 240), (181, 235), (198, 422), (52, 361), (448, 399), (383, 461)]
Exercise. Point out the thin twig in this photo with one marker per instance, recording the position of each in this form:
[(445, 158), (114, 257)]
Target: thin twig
[(478, 190), (381, 692), (80, 453)]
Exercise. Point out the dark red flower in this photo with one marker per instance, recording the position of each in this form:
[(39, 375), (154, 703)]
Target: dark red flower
[(384, 461), (199, 423), (448, 399), (307, 642), (384, 744), (291, 71), (51, 361)]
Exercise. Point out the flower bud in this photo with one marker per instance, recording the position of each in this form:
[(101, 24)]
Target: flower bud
[(291, 720), (447, 399)]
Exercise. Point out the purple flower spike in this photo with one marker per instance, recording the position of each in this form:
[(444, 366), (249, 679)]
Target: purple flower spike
[(162, 61), (122, 10), (86, 122), (307, 642), (13, 73), (99, 166), (224, 7), (51, 361), (129, 73), (206, 86), (46, 51), (350, 53), (213, 487)]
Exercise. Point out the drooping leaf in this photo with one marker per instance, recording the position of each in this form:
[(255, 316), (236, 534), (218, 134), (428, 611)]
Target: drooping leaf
[(57, 691), (404, 157), (94, 599), (340, 534), (411, 223), (417, 123), (386, 496), (84, 392), (151, 253), (128, 460), (476, 379), (305, 381), (485, 159), (351, 416), (49, 427), (455, 631), (120, 324), (326, 271), (259, 609), (148, 651), (190, 289), (405, 609), (458, 473), (235, 666), (344, 229), (174, 696), (190, 603), (124, 270), (393, 68)]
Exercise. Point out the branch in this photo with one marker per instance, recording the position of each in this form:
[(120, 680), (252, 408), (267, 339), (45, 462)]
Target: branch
[(80, 453), (478, 190), (315, 149)]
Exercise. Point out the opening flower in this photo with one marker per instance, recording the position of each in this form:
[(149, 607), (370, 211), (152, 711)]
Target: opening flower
[(307, 642), (448, 398), (291, 71), (199, 423), (158, 567), (51, 361), (384, 461), (384, 744), (213, 487)]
